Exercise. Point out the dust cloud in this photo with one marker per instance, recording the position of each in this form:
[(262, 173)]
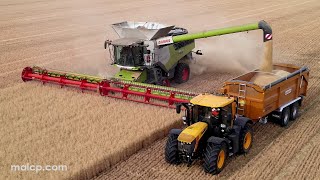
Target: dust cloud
[(90, 57), (239, 52)]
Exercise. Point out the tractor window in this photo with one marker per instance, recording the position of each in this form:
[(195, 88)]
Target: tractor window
[(195, 113), (199, 113), (226, 114), (129, 55)]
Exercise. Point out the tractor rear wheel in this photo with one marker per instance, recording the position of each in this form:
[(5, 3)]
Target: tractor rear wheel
[(182, 73), (246, 138), (285, 116), (294, 111), (171, 150), (215, 158)]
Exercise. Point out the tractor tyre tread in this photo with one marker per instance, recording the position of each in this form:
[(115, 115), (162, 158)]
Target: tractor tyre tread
[(171, 150)]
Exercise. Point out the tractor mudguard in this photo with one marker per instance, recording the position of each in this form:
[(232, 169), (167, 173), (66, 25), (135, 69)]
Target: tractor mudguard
[(234, 138), (242, 121), (216, 140), (175, 131)]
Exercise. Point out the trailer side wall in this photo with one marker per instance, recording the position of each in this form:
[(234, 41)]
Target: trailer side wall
[(260, 101)]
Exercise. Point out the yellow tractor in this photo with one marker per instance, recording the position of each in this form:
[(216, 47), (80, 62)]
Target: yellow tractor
[(214, 132)]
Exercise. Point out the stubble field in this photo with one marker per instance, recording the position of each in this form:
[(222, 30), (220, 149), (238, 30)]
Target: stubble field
[(88, 133)]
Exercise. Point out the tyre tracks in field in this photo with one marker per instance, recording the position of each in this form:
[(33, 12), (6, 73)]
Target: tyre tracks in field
[(246, 13), (305, 163), (275, 157)]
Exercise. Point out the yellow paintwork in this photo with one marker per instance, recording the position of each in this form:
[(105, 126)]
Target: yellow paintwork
[(221, 159), (195, 131), (247, 141), (210, 100)]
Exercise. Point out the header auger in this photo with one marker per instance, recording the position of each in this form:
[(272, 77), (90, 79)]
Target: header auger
[(133, 91)]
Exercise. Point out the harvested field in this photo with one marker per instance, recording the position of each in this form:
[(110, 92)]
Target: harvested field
[(47, 125)]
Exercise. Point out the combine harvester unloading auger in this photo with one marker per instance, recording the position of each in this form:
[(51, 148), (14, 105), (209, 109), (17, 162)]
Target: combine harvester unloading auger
[(148, 55)]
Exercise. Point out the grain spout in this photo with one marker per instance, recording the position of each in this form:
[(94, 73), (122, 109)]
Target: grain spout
[(266, 64)]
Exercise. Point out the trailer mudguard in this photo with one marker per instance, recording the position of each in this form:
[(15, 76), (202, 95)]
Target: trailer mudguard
[(175, 131), (242, 121)]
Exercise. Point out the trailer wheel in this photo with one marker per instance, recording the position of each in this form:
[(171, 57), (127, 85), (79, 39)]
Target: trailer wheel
[(246, 138), (285, 116), (294, 111), (215, 158), (171, 150), (182, 73)]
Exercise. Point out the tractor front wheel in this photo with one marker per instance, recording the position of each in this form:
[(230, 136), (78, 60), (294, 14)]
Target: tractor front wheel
[(171, 150), (182, 73), (215, 158), (246, 138)]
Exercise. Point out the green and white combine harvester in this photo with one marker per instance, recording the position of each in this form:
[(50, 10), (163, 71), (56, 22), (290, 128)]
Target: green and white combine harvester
[(149, 55), (155, 53)]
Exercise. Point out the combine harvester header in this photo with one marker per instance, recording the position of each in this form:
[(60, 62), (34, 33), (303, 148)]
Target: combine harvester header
[(133, 91)]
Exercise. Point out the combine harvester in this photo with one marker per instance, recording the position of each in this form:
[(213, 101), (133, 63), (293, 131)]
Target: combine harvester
[(150, 54), (154, 53)]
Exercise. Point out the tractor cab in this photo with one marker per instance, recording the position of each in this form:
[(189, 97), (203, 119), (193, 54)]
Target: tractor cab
[(216, 111)]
